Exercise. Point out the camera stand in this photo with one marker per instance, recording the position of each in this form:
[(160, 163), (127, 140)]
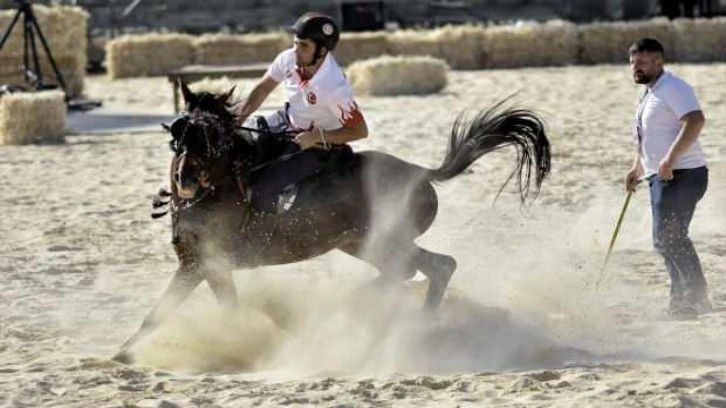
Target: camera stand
[(30, 50)]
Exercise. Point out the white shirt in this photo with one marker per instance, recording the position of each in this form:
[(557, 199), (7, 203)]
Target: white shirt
[(324, 101), (657, 122)]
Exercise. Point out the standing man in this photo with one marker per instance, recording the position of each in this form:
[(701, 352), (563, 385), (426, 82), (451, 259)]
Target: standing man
[(320, 108), (668, 122)]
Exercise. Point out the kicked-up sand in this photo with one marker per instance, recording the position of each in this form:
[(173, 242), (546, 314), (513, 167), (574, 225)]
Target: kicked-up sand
[(530, 319)]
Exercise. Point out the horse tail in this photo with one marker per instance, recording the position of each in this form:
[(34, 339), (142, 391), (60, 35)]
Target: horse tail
[(493, 129)]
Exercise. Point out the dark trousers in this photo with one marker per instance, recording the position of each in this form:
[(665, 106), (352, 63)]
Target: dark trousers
[(673, 204), (270, 180)]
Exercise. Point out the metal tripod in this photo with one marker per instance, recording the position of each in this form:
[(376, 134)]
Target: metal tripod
[(30, 50)]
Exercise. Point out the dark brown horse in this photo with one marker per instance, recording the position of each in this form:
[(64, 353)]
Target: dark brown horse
[(372, 208)]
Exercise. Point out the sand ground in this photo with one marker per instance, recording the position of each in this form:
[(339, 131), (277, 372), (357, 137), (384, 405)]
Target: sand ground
[(526, 322)]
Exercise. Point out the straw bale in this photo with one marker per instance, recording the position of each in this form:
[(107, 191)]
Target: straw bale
[(400, 75), (63, 27), (148, 54), (220, 49), (531, 44), (608, 42), (414, 42), (700, 39), (32, 117), (359, 46), (463, 47), (73, 71)]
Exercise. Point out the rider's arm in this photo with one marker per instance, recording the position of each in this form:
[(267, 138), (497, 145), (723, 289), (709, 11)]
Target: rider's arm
[(256, 97), (354, 128), (346, 134), (353, 123)]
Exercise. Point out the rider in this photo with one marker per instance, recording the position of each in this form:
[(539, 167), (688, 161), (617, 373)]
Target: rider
[(320, 110)]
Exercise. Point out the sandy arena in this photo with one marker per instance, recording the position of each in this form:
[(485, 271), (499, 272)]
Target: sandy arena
[(525, 322)]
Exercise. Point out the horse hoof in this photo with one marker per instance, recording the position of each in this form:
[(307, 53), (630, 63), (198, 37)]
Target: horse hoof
[(123, 357)]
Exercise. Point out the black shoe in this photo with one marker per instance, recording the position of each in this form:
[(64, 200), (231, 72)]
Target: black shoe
[(286, 199), (684, 309), (701, 305), (682, 312)]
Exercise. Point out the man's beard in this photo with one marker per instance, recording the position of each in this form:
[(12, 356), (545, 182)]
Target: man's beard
[(642, 78)]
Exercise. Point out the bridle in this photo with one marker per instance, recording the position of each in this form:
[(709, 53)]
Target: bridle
[(203, 122)]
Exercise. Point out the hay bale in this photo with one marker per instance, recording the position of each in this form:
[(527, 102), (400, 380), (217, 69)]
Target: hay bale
[(703, 39), (73, 71), (387, 75), (414, 42), (64, 28), (531, 44), (359, 46), (148, 54), (462, 47), (220, 49), (608, 42), (32, 117)]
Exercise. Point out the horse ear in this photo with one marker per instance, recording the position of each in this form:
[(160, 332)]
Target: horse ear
[(186, 93), (224, 98)]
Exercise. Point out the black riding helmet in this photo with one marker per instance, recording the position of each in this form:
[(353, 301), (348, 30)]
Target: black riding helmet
[(319, 28)]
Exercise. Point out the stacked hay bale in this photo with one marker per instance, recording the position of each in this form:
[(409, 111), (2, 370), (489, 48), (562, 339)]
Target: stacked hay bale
[(414, 42), (607, 43), (700, 39), (148, 54), (359, 46), (462, 47), (64, 28), (224, 49), (531, 45), (32, 117), (401, 75)]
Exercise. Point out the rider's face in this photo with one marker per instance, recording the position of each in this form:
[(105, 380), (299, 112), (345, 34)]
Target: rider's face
[(304, 51)]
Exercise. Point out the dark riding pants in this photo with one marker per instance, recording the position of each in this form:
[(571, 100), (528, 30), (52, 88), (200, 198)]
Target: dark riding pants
[(270, 180), (673, 204)]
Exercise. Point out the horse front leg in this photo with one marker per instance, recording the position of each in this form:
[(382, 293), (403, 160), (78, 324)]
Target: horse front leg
[(184, 281), (221, 282)]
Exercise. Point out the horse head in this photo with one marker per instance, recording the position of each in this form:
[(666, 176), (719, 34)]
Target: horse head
[(203, 141)]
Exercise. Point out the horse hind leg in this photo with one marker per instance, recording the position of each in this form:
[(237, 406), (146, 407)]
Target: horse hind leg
[(438, 269), (392, 262), (399, 263)]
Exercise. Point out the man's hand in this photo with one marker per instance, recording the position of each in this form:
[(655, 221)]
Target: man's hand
[(238, 111), (307, 140), (665, 169), (633, 178)]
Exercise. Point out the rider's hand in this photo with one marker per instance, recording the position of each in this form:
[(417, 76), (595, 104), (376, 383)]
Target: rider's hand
[(633, 178), (307, 140), (237, 111)]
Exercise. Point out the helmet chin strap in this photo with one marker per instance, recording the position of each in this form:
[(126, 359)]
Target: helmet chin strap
[(317, 56)]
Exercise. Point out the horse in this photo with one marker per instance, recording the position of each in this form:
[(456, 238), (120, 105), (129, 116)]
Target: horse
[(215, 229)]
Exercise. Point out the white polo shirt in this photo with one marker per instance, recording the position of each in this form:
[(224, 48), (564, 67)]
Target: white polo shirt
[(657, 121), (324, 101)]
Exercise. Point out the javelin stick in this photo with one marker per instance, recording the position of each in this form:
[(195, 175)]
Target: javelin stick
[(615, 235)]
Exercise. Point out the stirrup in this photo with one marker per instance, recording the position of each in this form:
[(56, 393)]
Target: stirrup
[(286, 199)]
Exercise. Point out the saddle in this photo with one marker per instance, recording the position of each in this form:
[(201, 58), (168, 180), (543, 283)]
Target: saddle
[(302, 180)]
